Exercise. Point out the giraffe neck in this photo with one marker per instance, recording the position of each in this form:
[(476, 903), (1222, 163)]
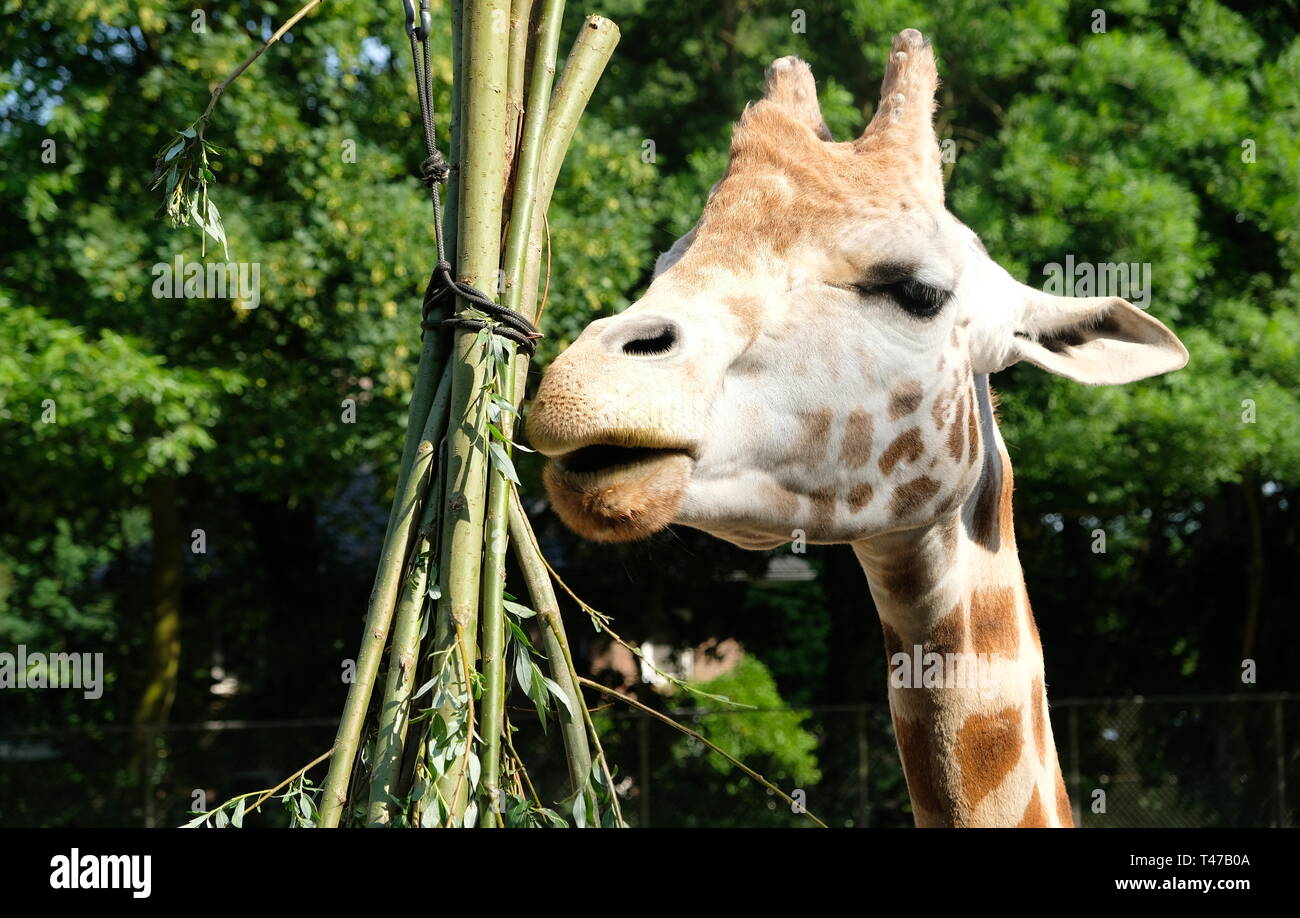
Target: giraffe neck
[(966, 688)]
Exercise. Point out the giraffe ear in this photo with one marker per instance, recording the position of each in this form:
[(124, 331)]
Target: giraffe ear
[(1095, 340), (674, 253)]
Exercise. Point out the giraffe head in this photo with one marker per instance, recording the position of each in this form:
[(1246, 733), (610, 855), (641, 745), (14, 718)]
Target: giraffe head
[(804, 357)]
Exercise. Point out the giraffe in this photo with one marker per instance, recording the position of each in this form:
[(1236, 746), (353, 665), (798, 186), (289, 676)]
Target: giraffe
[(812, 359)]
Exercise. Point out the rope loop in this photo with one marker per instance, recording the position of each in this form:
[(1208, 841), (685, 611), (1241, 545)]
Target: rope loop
[(443, 288)]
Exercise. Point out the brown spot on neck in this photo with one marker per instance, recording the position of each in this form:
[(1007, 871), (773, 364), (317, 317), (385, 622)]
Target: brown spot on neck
[(949, 633), (988, 747), (994, 623), (921, 768), (1037, 700)]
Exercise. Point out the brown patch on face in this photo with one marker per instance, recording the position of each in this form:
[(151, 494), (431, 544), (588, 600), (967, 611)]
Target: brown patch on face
[(905, 399), (811, 448), (747, 310), (948, 633), (1064, 815), (912, 496), (954, 432), (860, 496), (1035, 814), (906, 446), (956, 342), (988, 747), (993, 624), (918, 754), (856, 451), (1040, 726)]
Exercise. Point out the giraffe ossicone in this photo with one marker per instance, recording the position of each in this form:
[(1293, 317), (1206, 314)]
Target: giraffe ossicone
[(814, 355)]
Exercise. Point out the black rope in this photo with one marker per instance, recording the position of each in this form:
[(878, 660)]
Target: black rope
[(443, 288)]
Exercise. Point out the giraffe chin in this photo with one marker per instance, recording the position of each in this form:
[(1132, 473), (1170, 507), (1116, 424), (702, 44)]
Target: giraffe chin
[(623, 502)]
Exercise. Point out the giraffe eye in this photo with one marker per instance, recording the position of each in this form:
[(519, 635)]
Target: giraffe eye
[(916, 297)]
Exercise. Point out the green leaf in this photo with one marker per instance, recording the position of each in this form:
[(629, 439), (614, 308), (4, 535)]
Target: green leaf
[(564, 699), (501, 460), (471, 814), (524, 671), (580, 811), (214, 227), (518, 609), (173, 151), (238, 818), (537, 692)]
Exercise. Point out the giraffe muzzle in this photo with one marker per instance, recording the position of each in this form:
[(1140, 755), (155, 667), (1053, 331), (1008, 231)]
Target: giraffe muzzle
[(610, 493)]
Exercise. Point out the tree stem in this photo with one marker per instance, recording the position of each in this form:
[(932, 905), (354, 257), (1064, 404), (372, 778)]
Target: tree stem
[(403, 660), (485, 53)]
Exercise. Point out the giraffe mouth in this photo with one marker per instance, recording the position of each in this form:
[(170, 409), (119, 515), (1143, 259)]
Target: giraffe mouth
[(614, 493)]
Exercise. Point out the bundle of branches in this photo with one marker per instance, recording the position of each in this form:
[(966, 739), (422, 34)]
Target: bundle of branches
[(439, 612), (433, 747)]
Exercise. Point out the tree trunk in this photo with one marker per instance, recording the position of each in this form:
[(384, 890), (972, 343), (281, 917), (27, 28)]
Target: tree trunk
[(162, 662)]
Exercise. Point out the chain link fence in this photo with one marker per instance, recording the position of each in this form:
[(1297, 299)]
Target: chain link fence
[(1176, 761), (1173, 761)]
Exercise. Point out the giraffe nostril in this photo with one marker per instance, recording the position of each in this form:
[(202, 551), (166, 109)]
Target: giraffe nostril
[(660, 343), (651, 336)]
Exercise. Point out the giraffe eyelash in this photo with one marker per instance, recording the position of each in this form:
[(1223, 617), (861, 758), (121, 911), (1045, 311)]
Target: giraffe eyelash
[(916, 297)]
